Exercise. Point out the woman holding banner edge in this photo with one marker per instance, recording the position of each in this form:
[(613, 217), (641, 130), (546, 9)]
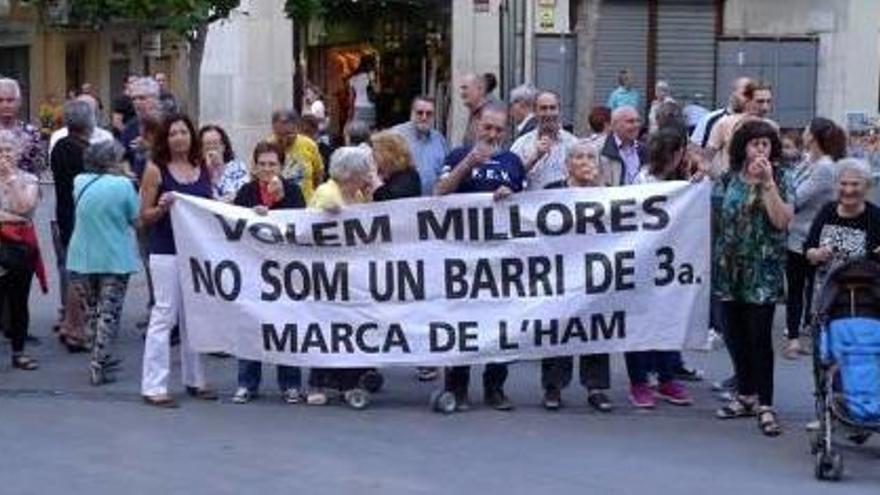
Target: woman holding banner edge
[(176, 166), (750, 264), (268, 191)]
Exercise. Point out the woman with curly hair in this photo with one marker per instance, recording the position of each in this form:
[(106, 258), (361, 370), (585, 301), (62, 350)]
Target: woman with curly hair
[(749, 254)]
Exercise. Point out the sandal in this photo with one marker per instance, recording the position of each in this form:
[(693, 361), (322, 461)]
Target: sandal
[(163, 401), (74, 345), (100, 374), (739, 407), (201, 393), (23, 362), (767, 422), (792, 349)]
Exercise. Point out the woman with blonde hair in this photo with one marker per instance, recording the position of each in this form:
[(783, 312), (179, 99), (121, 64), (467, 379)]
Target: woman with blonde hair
[(395, 166)]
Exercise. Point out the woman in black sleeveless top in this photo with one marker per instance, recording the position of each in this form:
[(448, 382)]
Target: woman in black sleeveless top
[(175, 167)]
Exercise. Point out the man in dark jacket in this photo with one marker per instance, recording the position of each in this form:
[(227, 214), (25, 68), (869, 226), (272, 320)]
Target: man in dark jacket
[(66, 161), (522, 110)]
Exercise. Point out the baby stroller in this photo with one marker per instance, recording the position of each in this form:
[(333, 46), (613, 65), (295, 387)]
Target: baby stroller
[(846, 361)]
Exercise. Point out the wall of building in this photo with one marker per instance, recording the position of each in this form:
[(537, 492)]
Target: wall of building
[(848, 78), (47, 50), (247, 72)]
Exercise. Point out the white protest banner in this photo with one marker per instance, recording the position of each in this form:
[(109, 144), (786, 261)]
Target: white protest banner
[(452, 280)]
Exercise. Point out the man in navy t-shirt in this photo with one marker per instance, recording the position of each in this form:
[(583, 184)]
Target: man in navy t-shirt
[(483, 167)]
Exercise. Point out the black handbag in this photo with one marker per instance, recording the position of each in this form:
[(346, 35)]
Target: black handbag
[(15, 255)]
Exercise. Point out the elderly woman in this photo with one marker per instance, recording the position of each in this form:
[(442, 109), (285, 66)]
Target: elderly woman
[(268, 191), (750, 264), (813, 181), (582, 165), (228, 173), (847, 228), (19, 253), (351, 181), (394, 163), (400, 179), (103, 250)]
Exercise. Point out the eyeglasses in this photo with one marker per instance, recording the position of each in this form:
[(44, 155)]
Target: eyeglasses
[(425, 113)]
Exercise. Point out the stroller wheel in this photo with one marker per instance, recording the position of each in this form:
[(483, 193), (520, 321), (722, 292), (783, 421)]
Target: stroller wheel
[(357, 398), (372, 381), (443, 402), (829, 466), (859, 438)]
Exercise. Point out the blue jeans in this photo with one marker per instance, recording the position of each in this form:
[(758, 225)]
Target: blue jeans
[(251, 372), (639, 364)]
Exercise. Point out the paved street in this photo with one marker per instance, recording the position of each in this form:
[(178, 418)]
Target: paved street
[(60, 435)]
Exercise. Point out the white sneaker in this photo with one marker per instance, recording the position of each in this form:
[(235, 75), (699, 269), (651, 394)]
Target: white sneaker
[(316, 398), (242, 396), (291, 395)]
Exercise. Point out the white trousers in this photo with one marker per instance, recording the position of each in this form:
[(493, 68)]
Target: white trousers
[(167, 311)]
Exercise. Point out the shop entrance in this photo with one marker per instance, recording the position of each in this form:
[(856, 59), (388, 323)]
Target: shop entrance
[(409, 43)]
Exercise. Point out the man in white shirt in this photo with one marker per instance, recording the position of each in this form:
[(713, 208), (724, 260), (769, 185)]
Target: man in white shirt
[(98, 134), (543, 149)]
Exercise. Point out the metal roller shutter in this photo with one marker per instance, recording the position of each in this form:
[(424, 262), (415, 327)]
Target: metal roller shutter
[(790, 66), (686, 48), (622, 43)]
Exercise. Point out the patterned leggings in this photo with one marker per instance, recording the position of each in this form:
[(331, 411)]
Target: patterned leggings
[(101, 296)]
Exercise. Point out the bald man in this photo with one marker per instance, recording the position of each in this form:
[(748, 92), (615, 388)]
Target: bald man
[(623, 156), (736, 103), (472, 91), (97, 135)]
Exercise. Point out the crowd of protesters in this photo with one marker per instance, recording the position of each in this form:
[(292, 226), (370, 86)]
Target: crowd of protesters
[(786, 207)]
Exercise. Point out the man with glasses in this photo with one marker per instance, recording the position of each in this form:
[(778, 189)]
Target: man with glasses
[(428, 147), (543, 149), (484, 166)]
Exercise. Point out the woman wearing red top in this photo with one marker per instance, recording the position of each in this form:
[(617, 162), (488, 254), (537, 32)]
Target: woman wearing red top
[(268, 191)]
